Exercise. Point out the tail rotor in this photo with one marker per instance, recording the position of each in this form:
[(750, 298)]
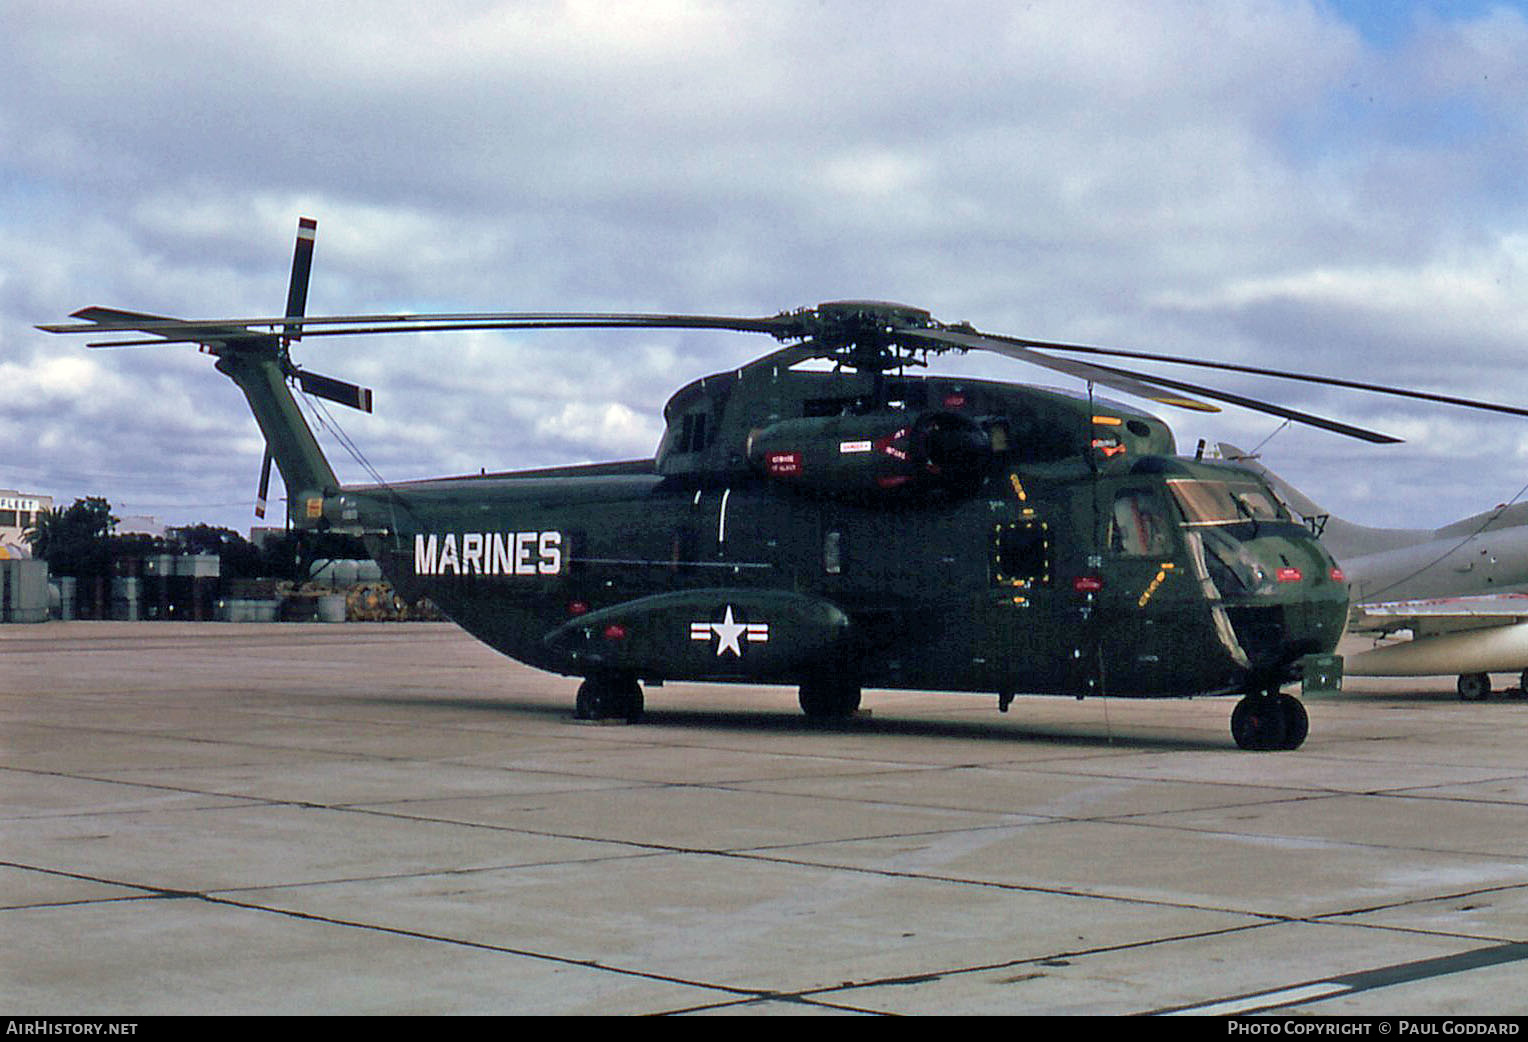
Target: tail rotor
[(265, 484), (302, 267)]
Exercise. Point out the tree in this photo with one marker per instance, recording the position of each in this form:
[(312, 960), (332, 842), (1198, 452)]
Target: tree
[(46, 532), (74, 540)]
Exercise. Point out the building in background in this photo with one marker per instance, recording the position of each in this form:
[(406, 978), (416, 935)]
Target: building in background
[(19, 512)]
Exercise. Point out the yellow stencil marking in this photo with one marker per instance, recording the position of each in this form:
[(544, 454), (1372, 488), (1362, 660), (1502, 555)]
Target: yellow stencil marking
[(1161, 577)]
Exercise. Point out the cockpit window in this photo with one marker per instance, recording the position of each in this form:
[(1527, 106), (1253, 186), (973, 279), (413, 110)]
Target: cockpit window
[(1224, 503), (1139, 526)]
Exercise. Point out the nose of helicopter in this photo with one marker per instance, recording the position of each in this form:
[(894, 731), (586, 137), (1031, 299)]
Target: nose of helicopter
[(1297, 608)]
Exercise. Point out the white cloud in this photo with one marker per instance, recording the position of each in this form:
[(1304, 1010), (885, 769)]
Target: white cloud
[(1253, 180), (607, 427)]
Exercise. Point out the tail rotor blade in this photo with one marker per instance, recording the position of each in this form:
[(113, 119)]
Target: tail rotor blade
[(265, 484), (302, 266), (335, 390)]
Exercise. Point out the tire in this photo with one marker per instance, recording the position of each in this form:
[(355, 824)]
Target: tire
[(1296, 721), (1258, 723), (586, 702), (829, 698), (1474, 687), (631, 702), (601, 698)]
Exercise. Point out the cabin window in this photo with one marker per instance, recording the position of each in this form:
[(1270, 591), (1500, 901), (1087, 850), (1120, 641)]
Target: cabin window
[(692, 433), (1138, 525), (1021, 554)]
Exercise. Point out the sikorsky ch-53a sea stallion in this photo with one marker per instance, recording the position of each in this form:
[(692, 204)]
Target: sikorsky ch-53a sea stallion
[(841, 527)]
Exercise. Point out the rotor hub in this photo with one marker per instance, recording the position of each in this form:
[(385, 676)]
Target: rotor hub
[(863, 333), (881, 314)]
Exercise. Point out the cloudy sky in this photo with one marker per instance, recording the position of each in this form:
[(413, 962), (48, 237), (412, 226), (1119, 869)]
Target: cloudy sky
[(1335, 187)]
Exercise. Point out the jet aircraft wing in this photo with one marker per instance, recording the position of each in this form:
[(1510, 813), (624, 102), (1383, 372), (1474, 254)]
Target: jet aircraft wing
[(1441, 614)]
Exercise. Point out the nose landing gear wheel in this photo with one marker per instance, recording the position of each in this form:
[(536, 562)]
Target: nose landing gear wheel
[(1296, 721), (1269, 720)]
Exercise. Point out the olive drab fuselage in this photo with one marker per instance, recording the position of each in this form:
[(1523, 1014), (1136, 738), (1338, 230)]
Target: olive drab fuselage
[(956, 535)]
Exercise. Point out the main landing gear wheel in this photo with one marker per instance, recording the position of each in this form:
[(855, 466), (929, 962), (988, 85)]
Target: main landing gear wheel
[(1269, 720), (1474, 687), (829, 698), (609, 698)]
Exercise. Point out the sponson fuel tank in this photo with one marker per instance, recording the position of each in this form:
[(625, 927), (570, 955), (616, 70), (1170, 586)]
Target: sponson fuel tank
[(721, 633)]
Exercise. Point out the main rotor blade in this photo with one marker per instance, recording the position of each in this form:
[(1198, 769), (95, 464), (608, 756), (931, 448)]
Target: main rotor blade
[(1145, 385), (1129, 383), (170, 330), (99, 316), (1330, 381), (1335, 426), (111, 320), (824, 323)]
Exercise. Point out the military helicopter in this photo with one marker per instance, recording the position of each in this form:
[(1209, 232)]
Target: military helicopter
[(839, 528)]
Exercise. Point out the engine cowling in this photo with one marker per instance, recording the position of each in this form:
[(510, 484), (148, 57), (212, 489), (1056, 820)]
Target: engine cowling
[(877, 454)]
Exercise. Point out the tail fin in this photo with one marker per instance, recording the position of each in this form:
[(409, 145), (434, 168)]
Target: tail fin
[(1344, 539), (254, 355), (288, 438)]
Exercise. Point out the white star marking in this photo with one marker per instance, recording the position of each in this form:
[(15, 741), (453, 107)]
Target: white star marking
[(727, 635), (730, 633)]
